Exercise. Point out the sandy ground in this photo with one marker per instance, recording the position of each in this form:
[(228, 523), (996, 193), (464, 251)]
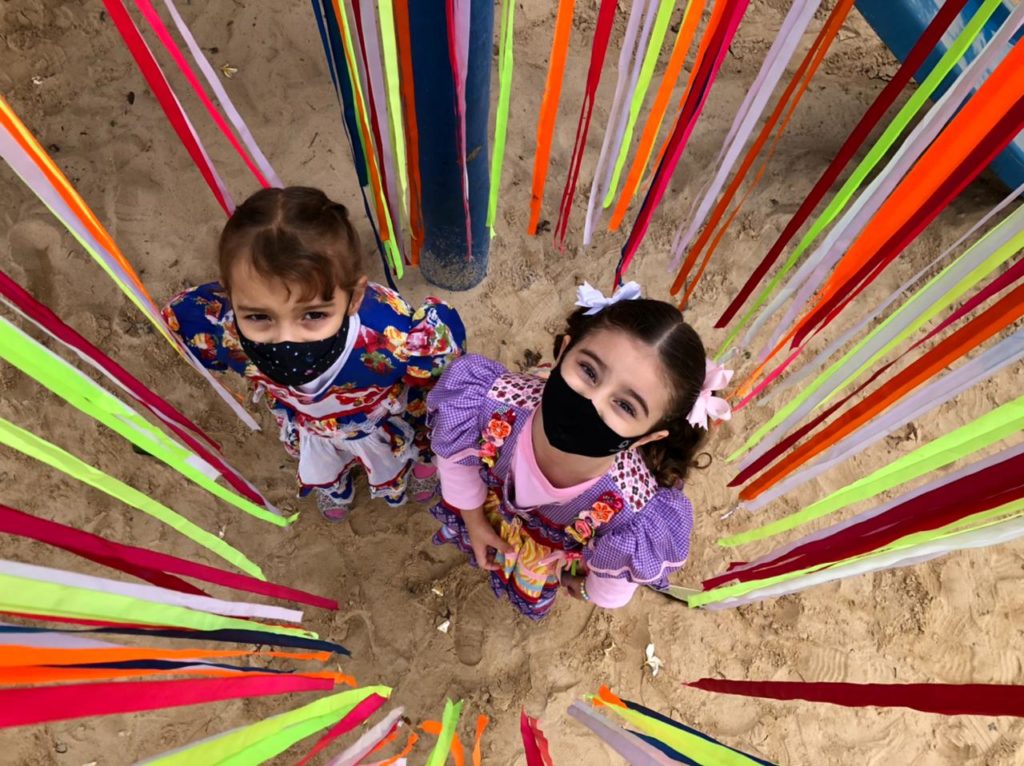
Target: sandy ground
[(67, 74)]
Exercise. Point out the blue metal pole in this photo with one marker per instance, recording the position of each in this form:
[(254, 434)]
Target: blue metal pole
[(444, 259)]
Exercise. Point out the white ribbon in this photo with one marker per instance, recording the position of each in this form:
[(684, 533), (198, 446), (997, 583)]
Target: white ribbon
[(716, 378), (592, 299)]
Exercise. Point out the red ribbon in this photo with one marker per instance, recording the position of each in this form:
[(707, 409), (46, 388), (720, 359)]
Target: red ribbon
[(945, 699), (534, 742), (355, 717), (147, 565), (34, 705), (924, 46), (162, 90), (598, 50)]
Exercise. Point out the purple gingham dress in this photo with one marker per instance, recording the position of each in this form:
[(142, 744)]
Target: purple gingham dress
[(648, 539)]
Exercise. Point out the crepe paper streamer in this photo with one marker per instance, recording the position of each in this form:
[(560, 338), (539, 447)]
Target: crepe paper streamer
[(222, 97), (505, 64), (458, 13), (83, 393), (977, 331), (208, 450), (449, 721), (355, 717), (36, 168), (82, 603), (703, 78), (811, 273), (549, 109), (149, 593), (941, 390), (147, 565), (625, 743), (885, 99), (652, 126), (945, 699), (389, 53), (598, 51), (225, 635), (639, 95), (627, 73), (31, 676), (151, 71), (49, 640), (53, 456), (407, 91), (993, 486), (21, 655), (481, 726), (917, 549), (368, 742), (788, 102), (942, 291), (25, 707), (790, 33), (399, 760), (156, 24), (456, 750), (534, 742), (694, 745)]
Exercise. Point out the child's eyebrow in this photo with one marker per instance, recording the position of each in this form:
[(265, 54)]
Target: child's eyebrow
[(313, 306), (253, 309)]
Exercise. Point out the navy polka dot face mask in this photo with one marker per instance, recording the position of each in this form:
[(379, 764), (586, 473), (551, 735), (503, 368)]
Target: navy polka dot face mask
[(292, 363)]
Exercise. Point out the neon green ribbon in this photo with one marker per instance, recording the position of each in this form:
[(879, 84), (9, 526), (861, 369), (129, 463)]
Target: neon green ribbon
[(953, 295), (505, 60), (976, 521), (906, 114), (449, 721), (80, 391), (697, 748), (643, 83), (53, 456), (22, 595), (992, 427), (389, 52), (262, 741)]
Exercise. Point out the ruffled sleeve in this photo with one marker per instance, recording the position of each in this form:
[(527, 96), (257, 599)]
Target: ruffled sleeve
[(458, 407), (202, 317), (649, 546), (436, 337)]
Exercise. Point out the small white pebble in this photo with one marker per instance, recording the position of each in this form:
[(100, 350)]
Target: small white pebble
[(437, 591), (444, 626)]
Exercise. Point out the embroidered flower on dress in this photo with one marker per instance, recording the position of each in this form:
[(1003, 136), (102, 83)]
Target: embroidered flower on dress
[(498, 429), (600, 513), (377, 362)]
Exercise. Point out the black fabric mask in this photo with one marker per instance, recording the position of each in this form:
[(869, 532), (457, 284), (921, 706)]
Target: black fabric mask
[(572, 423), (292, 363)]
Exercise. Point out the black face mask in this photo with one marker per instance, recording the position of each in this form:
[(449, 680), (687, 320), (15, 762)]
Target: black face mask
[(572, 423), (293, 363)]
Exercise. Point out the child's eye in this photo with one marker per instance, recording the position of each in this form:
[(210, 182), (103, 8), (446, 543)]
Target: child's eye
[(315, 316), (588, 371), (257, 317), (628, 408)]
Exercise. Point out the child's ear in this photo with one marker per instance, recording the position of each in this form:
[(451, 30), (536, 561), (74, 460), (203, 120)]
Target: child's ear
[(654, 437), (358, 293)]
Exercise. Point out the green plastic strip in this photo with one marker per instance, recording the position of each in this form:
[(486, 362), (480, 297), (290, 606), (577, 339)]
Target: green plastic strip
[(449, 721), (82, 392), (262, 741), (703, 751), (990, 428), (953, 295), (903, 118), (977, 521), (643, 84), (53, 456), (505, 60), (22, 595), (389, 52)]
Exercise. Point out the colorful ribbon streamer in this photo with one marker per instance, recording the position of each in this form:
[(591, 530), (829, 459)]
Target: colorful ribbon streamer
[(449, 721), (505, 63), (534, 742), (355, 717), (945, 699), (630, 746), (370, 740), (458, 12), (147, 565), (549, 109), (53, 456)]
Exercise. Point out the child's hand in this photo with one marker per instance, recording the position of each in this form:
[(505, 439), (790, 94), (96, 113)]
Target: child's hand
[(574, 585), (483, 538)]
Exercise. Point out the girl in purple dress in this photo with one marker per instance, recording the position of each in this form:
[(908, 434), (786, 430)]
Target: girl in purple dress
[(576, 480)]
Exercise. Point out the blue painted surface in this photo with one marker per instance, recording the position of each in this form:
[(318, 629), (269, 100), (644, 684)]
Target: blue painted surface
[(444, 260), (899, 23)]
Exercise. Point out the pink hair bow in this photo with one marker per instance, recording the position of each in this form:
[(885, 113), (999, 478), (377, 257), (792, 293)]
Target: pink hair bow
[(716, 378)]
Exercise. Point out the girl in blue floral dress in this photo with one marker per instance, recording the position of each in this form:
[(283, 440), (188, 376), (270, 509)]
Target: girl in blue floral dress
[(575, 480), (344, 364)]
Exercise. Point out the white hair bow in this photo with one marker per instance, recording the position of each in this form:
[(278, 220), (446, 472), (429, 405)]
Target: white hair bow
[(716, 378), (593, 300)]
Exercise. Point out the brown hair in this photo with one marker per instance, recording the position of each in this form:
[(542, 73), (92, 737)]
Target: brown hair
[(297, 235), (682, 354)]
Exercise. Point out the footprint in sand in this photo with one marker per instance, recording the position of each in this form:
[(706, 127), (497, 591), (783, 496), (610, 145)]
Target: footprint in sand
[(31, 244), (470, 622)]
